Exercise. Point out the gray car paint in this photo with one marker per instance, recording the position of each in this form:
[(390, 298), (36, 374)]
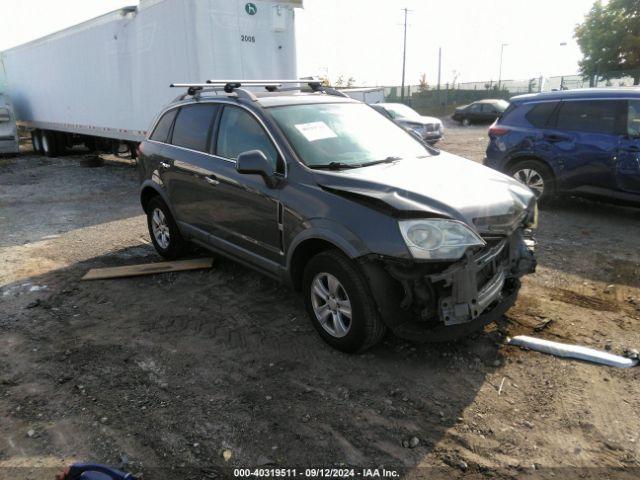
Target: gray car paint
[(357, 210)]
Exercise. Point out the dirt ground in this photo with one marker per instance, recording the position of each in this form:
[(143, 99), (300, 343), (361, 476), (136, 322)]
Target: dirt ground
[(169, 375)]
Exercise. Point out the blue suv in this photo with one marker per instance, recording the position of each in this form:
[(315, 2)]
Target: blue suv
[(578, 141)]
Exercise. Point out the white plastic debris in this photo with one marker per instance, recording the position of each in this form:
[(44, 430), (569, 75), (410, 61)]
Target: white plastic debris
[(572, 351)]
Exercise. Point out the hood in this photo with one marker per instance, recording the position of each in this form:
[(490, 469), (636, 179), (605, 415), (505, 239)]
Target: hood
[(443, 185)]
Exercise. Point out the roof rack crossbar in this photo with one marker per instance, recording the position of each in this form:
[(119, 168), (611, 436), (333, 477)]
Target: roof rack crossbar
[(234, 86)]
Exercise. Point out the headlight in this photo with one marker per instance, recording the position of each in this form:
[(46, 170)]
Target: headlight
[(438, 239)]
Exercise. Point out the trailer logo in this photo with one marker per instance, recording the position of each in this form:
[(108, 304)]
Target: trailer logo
[(251, 8)]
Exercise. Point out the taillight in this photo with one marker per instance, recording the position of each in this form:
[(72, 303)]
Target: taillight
[(497, 131)]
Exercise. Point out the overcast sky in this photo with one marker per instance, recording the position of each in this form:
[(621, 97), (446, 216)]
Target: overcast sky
[(363, 38)]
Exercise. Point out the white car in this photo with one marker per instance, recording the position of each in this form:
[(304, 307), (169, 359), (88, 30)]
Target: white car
[(430, 129), (8, 129)]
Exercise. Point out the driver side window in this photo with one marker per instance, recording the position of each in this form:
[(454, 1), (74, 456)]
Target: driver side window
[(239, 132)]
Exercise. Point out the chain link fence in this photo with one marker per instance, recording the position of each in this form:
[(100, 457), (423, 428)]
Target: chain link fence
[(442, 101)]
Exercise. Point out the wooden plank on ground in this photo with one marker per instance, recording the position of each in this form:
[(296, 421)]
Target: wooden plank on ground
[(147, 269)]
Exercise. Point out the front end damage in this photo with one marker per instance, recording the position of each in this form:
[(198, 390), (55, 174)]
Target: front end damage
[(436, 301)]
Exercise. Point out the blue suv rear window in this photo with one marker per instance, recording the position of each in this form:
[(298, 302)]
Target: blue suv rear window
[(540, 114), (591, 116)]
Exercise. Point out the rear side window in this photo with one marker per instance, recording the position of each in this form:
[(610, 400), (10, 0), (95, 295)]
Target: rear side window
[(592, 116), (633, 119), (161, 132), (540, 114), (193, 126), (240, 132)]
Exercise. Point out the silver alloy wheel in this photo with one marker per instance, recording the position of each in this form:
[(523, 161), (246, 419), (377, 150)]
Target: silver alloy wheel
[(532, 179), (331, 304), (160, 228), (466, 122)]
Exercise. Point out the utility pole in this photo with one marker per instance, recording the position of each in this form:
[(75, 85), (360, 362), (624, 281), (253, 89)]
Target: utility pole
[(404, 54), (500, 71), (439, 65)]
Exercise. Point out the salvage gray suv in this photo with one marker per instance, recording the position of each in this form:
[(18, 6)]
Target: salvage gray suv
[(377, 229)]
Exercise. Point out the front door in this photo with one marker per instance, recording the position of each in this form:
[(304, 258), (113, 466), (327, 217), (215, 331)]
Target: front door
[(628, 164), (242, 209)]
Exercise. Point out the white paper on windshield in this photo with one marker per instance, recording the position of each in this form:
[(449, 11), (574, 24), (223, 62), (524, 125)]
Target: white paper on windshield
[(315, 131)]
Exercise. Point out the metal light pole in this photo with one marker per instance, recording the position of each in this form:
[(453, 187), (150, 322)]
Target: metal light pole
[(439, 65), (500, 71), (562, 44), (404, 54)]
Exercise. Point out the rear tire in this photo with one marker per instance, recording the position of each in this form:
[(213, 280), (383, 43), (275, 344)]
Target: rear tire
[(340, 304), (537, 176), (48, 143), (163, 230), (36, 141)]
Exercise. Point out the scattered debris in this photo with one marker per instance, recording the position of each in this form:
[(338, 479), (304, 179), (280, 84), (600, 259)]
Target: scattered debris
[(147, 269), (543, 324), (34, 304), (31, 433), (572, 351), (227, 454), (609, 288), (501, 384), (632, 353), (413, 442)]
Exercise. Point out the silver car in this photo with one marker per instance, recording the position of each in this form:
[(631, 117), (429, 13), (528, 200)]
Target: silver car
[(430, 129)]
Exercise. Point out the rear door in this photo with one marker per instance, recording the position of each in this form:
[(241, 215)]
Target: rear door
[(188, 167), (628, 164), (584, 140), (489, 112)]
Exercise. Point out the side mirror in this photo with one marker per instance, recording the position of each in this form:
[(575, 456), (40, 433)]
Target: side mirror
[(255, 162)]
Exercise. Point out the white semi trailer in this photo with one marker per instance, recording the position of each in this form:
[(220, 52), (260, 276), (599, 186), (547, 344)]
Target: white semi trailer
[(102, 82)]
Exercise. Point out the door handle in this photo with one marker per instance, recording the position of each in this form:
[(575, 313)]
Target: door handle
[(556, 138), (165, 165), (212, 180)]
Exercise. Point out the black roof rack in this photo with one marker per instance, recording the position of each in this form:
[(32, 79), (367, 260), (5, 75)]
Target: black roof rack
[(234, 86)]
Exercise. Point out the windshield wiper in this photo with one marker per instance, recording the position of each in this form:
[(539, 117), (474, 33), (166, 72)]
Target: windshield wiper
[(335, 166), (375, 162)]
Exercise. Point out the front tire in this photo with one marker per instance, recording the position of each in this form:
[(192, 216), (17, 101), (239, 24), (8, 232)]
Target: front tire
[(339, 303), (537, 176), (466, 122), (163, 230)]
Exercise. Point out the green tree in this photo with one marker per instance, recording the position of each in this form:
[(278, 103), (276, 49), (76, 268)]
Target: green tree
[(609, 39)]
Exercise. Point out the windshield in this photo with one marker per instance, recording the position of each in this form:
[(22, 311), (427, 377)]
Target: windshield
[(398, 110), (345, 134)]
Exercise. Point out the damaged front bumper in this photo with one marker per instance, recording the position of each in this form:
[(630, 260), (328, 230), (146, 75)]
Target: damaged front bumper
[(426, 301)]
